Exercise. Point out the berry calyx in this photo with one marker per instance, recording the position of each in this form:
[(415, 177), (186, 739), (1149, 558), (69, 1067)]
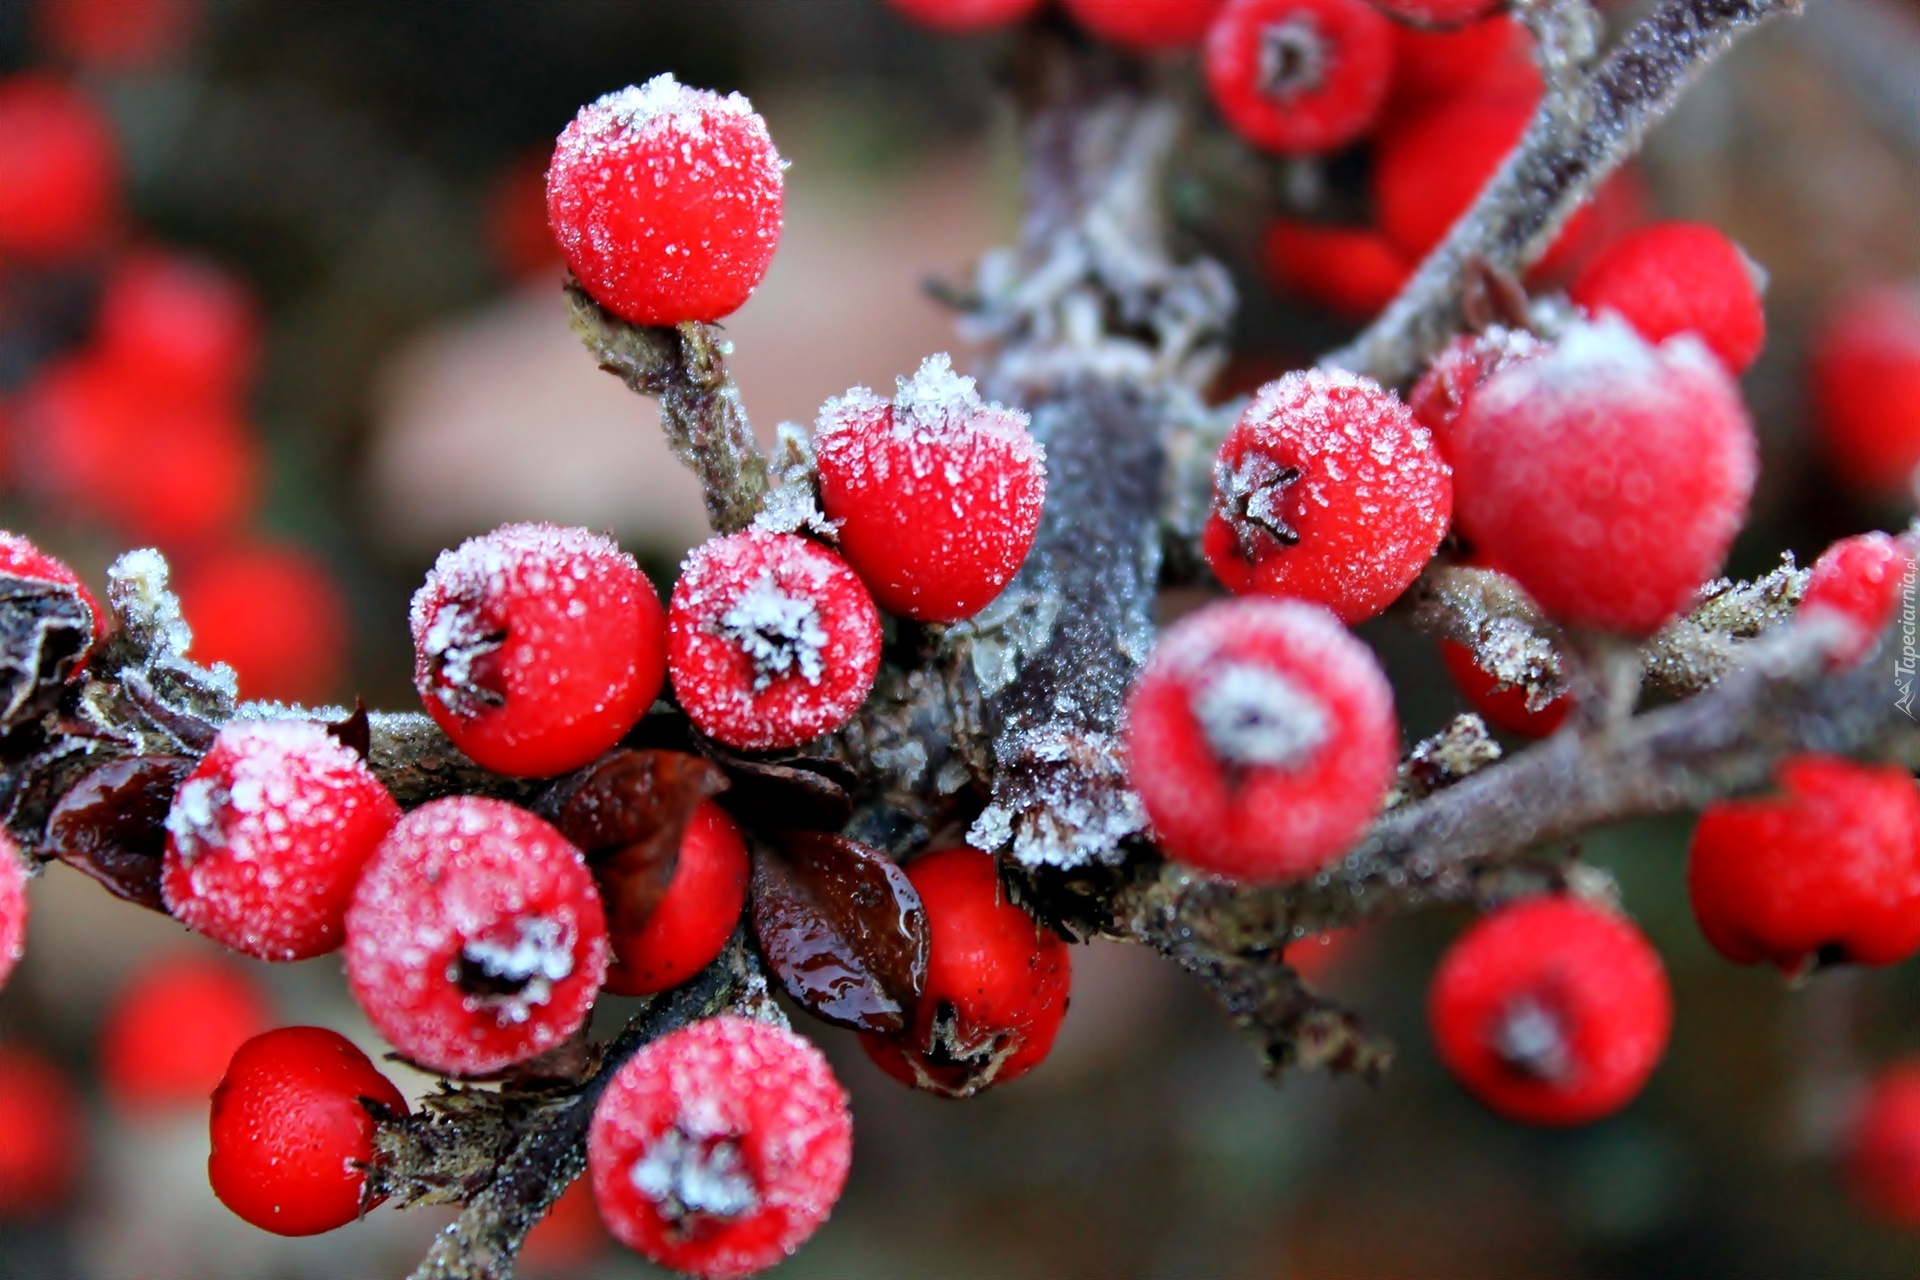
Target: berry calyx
[(271, 612), (937, 494), (292, 1135), (42, 1135), (1145, 24), (772, 640), (476, 938), (997, 983), (1551, 1012), (1607, 476), (267, 836), (19, 558), (964, 15), (13, 907), (1261, 739), (1880, 1150), (1299, 76), (1865, 380), (59, 171), (172, 1029), (180, 324), (666, 201), (1861, 580), (1827, 872), (536, 648), (694, 918), (1327, 490), (721, 1147), (1354, 271), (1504, 706), (1679, 277)]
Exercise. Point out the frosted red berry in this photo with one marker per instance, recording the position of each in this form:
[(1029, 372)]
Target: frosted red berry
[(1504, 706), (696, 916), (59, 170), (1679, 277), (271, 612), (1880, 1150), (172, 1028), (1437, 399), (476, 938), (13, 907), (1440, 13), (1327, 490), (180, 324), (267, 836), (536, 648), (1827, 871), (666, 201), (1860, 579), (1353, 271), (42, 1135), (1551, 1012), (772, 640), (965, 15), (1145, 24), (997, 983), (1262, 739), (937, 494), (1607, 476), (1864, 378), (19, 558), (1299, 76), (721, 1147), (292, 1135)]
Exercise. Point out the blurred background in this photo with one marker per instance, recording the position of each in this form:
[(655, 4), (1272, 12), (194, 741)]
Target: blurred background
[(328, 222)]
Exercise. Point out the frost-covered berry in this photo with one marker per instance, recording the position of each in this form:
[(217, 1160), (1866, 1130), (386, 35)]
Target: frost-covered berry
[(1826, 872), (1679, 277), (171, 1030), (292, 1136), (272, 612), (772, 640), (19, 558), (1327, 490), (1880, 1150), (476, 938), (1299, 76), (720, 1148), (1458, 370), (696, 915), (666, 201), (1437, 13), (1502, 705), (536, 648), (180, 324), (1354, 271), (1607, 476), (937, 494), (1551, 1012), (997, 983), (1865, 383), (965, 15), (13, 906), (59, 170), (1261, 738), (267, 836), (42, 1135), (1145, 24), (1860, 579)]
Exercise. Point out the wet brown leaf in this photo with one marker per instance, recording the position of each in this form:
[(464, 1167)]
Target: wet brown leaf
[(112, 826), (44, 629)]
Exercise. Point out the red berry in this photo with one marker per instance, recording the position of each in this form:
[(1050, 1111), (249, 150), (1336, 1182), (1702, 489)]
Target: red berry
[(476, 938), (1458, 370), (772, 640), (937, 495), (41, 1135), (272, 613), (117, 35), (267, 836), (1865, 382), (997, 983), (167, 1038), (1607, 476), (1354, 271), (536, 648), (1828, 871), (179, 324), (569, 1240), (696, 916), (720, 1148), (291, 1131), (13, 906), (521, 242), (59, 170), (22, 559), (1503, 706), (1299, 75), (1429, 64), (1145, 24), (1551, 1012), (1860, 579), (1436, 12), (1679, 277), (1262, 739), (1881, 1148), (965, 15), (666, 201), (1327, 490)]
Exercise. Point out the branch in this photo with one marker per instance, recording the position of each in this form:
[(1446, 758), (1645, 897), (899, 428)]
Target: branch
[(1577, 138)]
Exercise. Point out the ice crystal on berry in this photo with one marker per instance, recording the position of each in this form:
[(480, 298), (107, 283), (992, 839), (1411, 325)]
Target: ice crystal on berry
[(779, 631)]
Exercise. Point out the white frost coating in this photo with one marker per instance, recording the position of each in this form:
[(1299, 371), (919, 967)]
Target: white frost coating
[(138, 593), (1529, 1038), (1254, 715), (780, 632), (1077, 809), (540, 954), (683, 1175), (661, 101), (193, 819)]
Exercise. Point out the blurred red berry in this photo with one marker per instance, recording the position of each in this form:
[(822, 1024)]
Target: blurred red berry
[(569, 1239), (274, 614), (1503, 706), (1145, 24), (291, 1131), (172, 1028), (1352, 271), (117, 35), (1299, 76), (666, 201), (42, 1135), (696, 916), (1865, 384), (59, 170), (965, 15), (518, 236), (1437, 63), (1880, 1151), (1551, 1012), (1679, 277), (1437, 12), (1441, 393), (180, 325), (189, 477), (1861, 579)]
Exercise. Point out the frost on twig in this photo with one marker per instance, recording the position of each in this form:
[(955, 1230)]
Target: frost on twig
[(1579, 136)]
